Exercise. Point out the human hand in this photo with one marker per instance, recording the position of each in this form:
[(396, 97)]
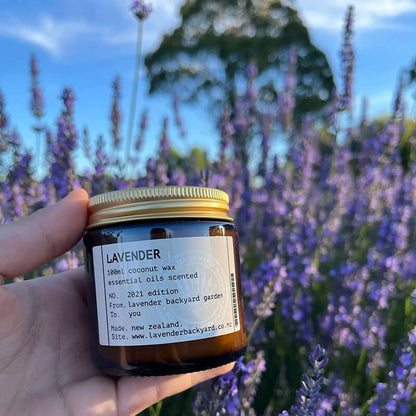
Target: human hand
[(45, 364)]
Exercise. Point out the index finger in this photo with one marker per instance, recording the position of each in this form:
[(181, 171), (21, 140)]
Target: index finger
[(137, 393), (32, 241)]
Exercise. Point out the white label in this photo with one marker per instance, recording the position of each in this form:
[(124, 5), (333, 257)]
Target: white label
[(165, 290)]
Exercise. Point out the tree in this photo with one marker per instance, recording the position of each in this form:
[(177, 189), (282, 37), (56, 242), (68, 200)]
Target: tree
[(412, 72), (218, 39)]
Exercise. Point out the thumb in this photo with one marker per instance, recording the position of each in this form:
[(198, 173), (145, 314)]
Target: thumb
[(32, 241)]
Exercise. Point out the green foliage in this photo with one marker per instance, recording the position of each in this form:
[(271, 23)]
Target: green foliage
[(412, 72), (196, 159), (216, 41), (406, 145), (407, 149)]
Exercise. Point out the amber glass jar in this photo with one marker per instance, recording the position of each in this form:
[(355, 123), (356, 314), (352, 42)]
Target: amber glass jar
[(163, 281)]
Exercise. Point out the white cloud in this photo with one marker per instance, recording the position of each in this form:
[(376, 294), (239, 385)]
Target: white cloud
[(385, 8), (169, 7), (113, 26), (45, 32), (369, 14)]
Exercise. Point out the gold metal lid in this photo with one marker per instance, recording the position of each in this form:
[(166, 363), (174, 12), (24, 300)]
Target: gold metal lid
[(156, 203)]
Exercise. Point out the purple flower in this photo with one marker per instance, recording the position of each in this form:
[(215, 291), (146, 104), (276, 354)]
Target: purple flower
[(232, 393), (178, 118), (164, 145), (399, 103), (286, 101), (3, 124), (227, 131), (348, 57), (86, 143), (142, 129), (412, 336), (60, 148), (309, 394), (116, 113), (395, 395), (36, 102), (68, 98), (140, 9)]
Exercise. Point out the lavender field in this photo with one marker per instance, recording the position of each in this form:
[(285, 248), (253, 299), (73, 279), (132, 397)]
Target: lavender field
[(327, 239)]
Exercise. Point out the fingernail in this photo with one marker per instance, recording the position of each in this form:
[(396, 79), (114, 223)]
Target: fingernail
[(76, 191)]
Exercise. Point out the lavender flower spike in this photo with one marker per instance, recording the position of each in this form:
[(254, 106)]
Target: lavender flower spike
[(116, 113), (308, 395), (348, 58), (36, 102), (140, 9), (3, 117)]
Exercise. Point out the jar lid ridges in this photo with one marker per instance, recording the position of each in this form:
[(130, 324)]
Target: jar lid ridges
[(153, 193), (157, 202)]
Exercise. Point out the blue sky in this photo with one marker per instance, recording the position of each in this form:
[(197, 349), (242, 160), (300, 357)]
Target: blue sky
[(84, 44)]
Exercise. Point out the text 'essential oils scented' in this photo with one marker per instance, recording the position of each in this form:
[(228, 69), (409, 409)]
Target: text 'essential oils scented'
[(163, 281)]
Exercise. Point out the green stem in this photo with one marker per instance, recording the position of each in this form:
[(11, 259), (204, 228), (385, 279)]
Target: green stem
[(134, 93), (155, 410), (252, 331), (39, 152)]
